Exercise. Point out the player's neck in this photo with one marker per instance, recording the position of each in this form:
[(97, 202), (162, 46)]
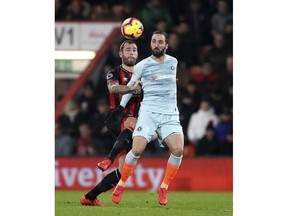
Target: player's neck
[(160, 59), (128, 68)]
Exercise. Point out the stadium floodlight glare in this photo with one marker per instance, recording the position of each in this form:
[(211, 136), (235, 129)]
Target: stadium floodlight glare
[(67, 54)]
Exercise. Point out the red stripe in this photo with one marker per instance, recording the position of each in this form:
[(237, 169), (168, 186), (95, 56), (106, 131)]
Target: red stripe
[(133, 106), (112, 101)]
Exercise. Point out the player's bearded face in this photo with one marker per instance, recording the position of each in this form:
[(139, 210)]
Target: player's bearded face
[(158, 45), (157, 52), (129, 61)]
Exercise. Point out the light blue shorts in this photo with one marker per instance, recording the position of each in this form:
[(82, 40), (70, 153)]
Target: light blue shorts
[(149, 124)]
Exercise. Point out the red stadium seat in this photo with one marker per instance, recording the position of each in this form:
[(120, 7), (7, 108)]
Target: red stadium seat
[(195, 70)]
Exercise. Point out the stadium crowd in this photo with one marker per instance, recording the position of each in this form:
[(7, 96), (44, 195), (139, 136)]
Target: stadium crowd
[(200, 37)]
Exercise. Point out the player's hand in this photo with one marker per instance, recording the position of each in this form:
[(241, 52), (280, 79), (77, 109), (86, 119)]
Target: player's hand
[(137, 85)]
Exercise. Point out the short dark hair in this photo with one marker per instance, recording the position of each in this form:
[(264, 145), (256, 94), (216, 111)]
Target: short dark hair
[(126, 41), (163, 33)]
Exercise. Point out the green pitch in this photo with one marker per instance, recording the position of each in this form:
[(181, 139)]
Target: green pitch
[(144, 203)]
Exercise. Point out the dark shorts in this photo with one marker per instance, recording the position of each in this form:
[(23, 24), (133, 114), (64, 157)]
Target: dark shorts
[(114, 124)]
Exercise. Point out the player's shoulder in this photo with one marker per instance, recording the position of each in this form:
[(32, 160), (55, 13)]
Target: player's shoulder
[(141, 63), (113, 73), (115, 69), (171, 58)]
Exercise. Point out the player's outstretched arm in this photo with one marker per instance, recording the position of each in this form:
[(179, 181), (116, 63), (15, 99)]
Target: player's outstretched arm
[(133, 83), (115, 88)]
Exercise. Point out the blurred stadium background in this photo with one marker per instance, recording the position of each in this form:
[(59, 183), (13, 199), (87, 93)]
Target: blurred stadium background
[(87, 39)]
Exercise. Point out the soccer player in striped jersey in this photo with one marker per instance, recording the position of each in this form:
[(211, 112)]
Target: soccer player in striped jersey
[(120, 124), (158, 114)]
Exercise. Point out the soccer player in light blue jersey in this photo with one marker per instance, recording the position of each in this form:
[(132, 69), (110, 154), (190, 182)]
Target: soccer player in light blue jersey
[(158, 114)]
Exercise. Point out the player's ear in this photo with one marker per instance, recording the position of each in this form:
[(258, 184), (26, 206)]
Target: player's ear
[(120, 54), (166, 46)]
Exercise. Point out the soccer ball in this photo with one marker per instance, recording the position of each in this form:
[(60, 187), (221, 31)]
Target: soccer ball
[(132, 28)]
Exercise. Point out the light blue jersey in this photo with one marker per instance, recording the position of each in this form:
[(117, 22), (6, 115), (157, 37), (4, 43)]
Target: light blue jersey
[(158, 83)]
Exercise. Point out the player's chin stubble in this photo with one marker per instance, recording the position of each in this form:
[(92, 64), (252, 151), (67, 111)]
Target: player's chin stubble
[(157, 52), (128, 62)]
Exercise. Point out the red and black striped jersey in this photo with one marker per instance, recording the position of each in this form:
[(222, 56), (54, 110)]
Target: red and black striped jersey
[(123, 77)]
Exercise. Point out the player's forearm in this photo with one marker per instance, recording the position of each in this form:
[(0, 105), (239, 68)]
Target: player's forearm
[(120, 89)]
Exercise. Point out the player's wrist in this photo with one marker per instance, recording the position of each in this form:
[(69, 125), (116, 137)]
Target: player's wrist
[(132, 88)]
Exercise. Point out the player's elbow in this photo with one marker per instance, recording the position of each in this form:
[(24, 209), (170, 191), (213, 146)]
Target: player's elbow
[(113, 90)]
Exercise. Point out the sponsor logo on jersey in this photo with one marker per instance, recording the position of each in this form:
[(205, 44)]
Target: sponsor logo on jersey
[(154, 77), (160, 77)]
